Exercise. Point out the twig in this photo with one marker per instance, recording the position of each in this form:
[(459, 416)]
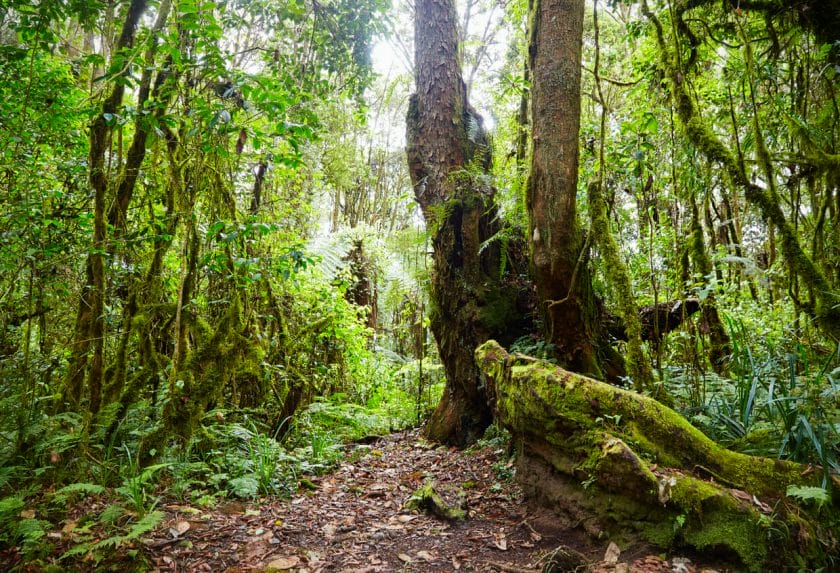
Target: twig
[(510, 568)]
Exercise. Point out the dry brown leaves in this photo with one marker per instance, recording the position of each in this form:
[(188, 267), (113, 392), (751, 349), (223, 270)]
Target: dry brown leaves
[(355, 522)]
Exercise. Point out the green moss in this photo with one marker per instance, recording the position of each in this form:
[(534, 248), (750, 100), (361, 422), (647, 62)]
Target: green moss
[(741, 534), (426, 498), (605, 440), (531, 392), (656, 453), (690, 494), (826, 311), (618, 278), (498, 310)]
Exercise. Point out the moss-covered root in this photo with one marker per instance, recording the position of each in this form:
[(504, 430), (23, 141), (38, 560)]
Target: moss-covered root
[(426, 498), (622, 462), (530, 392)]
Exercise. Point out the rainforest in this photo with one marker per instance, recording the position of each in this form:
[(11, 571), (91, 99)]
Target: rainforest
[(420, 285)]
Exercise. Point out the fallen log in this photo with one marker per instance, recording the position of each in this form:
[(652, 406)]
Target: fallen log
[(624, 466), (657, 319)]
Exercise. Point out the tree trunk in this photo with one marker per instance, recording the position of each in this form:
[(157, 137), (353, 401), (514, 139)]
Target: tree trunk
[(624, 465), (90, 319), (720, 347), (448, 155), (557, 248)]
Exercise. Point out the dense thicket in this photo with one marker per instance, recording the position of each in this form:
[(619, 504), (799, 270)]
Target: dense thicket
[(159, 184)]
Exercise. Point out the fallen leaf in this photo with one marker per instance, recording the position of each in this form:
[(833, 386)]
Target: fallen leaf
[(183, 509), (425, 555), (762, 506), (282, 564), (68, 527), (612, 553), (500, 541), (404, 557), (681, 565), (179, 528)]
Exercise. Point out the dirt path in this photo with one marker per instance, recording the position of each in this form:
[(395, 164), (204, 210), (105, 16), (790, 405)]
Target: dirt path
[(355, 522)]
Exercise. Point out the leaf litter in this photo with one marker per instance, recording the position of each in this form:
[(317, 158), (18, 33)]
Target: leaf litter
[(356, 521)]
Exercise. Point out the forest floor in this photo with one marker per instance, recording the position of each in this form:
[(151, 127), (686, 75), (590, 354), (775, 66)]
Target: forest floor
[(354, 521)]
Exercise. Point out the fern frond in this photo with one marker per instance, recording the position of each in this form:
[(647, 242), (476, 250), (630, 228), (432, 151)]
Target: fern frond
[(84, 489), (146, 524)]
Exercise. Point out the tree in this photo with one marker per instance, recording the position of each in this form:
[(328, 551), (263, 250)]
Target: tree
[(558, 249), (449, 156), (196, 134), (823, 306)]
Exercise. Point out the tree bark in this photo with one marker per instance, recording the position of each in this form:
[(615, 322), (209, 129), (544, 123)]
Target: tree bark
[(557, 247), (448, 156)]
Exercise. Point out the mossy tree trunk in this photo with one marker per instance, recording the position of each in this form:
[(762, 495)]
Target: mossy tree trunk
[(84, 377), (720, 347), (616, 271), (625, 466), (448, 157)]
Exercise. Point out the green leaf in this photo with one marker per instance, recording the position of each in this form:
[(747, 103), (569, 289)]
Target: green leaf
[(808, 493)]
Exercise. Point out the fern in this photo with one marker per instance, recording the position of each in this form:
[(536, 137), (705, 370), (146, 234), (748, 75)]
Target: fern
[(68, 492), (31, 533), (8, 473), (806, 493), (99, 550), (502, 236), (10, 508), (145, 525), (78, 549), (331, 250), (111, 514), (439, 213)]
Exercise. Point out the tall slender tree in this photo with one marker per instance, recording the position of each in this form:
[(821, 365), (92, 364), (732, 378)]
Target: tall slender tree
[(558, 247)]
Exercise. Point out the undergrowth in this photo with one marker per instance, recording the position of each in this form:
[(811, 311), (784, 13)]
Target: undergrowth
[(70, 495), (779, 399)]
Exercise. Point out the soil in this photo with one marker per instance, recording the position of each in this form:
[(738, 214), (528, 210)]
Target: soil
[(354, 521)]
